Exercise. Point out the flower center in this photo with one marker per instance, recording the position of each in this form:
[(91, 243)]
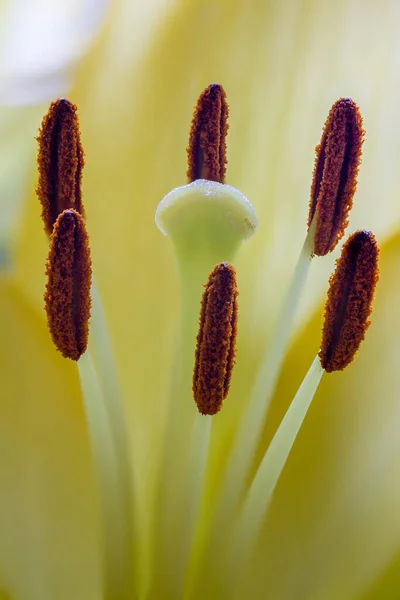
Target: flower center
[(206, 222)]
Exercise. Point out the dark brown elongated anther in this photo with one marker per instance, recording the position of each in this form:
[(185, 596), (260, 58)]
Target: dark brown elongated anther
[(69, 275), (215, 351), (348, 305), (337, 161), (207, 141), (60, 162)]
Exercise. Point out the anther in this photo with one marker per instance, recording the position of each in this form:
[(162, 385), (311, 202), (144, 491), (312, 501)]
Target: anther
[(60, 162), (349, 300), (69, 274), (337, 161), (215, 351), (207, 142)]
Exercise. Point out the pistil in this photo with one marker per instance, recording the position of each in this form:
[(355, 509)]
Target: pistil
[(206, 222)]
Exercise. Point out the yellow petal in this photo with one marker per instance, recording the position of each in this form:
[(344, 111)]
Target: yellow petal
[(386, 586), (48, 506)]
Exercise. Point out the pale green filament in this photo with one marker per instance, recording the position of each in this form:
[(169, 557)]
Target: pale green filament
[(260, 493), (111, 457), (206, 222), (101, 349), (104, 362)]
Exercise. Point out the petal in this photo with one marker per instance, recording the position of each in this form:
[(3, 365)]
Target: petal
[(17, 146), (48, 505), (40, 45), (334, 524), (387, 585)]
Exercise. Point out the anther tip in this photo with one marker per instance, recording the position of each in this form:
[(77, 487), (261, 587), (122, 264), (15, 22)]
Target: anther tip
[(64, 102), (215, 88)]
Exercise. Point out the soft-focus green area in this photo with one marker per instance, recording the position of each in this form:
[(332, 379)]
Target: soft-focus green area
[(334, 526), (48, 496)]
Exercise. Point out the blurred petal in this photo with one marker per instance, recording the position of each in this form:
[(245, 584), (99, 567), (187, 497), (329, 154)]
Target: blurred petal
[(335, 524), (387, 585), (48, 507), (41, 43), (17, 147)]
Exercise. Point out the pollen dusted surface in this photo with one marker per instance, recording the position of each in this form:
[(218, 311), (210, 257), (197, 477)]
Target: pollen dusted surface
[(207, 140), (215, 351), (69, 274), (338, 157), (348, 305), (60, 162)]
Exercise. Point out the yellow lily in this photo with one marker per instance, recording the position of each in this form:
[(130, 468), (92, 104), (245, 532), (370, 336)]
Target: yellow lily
[(333, 528)]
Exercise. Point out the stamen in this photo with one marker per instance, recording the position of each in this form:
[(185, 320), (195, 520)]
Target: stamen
[(60, 162), (349, 300), (215, 351), (338, 157), (67, 296), (207, 142)]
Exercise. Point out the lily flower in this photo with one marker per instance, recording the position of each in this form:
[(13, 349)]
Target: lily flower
[(327, 526)]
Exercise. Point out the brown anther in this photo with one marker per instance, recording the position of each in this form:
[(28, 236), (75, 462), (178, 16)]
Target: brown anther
[(348, 305), (215, 351), (337, 161), (69, 275), (207, 141), (60, 162)]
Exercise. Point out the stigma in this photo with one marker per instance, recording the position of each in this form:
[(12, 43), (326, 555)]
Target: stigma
[(349, 301), (69, 275), (215, 350)]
